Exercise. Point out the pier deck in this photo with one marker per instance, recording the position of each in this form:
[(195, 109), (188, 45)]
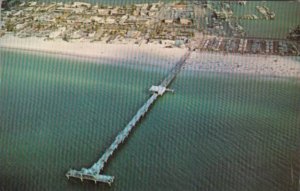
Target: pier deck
[(93, 173)]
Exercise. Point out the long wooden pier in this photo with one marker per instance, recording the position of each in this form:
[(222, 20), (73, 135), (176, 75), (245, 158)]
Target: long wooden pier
[(93, 173)]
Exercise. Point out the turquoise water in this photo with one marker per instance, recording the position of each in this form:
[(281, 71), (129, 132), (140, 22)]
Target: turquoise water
[(217, 132)]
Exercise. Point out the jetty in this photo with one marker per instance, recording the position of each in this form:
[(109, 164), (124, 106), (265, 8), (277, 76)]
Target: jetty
[(93, 173)]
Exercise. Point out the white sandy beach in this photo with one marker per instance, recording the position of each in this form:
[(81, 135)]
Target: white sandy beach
[(266, 65), (96, 50), (275, 66)]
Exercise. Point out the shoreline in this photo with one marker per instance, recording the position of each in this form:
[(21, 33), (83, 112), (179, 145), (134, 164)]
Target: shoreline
[(158, 55), (255, 65), (146, 54)]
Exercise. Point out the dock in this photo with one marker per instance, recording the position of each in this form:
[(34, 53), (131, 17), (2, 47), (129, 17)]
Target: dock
[(93, 173)]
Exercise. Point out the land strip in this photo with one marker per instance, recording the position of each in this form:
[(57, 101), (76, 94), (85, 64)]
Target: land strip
[(171, 25)]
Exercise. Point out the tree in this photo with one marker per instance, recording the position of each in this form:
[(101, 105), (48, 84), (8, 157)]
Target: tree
[(9, 26), (65, 37)]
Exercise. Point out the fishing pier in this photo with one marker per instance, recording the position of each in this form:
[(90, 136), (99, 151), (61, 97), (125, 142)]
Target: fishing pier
[(93, 173)]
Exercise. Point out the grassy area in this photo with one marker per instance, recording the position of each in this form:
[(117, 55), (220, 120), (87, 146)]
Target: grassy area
[(287, 17)]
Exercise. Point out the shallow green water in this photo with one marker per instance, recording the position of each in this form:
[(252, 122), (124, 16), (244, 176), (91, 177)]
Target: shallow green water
[(217, 132)]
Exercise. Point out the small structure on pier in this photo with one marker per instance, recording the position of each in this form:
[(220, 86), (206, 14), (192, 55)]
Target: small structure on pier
[(160, 90)]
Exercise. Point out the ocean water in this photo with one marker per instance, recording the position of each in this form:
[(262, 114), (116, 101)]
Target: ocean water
[(217, 132)]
